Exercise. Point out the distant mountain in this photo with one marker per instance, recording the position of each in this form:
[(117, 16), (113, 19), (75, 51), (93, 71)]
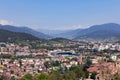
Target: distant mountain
[(6, 35), (51, 32), (69, 34), (24, 30), (104, 31)]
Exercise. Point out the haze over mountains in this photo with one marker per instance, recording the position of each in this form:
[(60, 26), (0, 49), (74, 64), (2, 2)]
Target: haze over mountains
[(103, 31), (24, 30)]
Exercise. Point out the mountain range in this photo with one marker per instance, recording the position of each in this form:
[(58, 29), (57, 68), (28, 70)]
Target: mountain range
[(103, 31), (24, 30)]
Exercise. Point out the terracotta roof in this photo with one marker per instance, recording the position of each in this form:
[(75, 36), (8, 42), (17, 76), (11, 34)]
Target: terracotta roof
[(92, 69)]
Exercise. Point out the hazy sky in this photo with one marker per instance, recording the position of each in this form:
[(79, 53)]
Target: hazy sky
[(59, 14)]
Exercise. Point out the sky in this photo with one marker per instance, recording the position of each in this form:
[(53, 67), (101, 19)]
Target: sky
[(59, 14)]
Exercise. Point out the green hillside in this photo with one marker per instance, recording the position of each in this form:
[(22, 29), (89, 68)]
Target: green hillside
[(6, 35)]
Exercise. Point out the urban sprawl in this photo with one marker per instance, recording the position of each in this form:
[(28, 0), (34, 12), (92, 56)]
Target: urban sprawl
[(100, 59)]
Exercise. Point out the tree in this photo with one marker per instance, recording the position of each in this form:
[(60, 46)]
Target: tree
[(47, 64), (41, 76), (78, 71), (116, 76), (6, 56), (70, 75), (93, 75), (55, 76), (88, 62), (27, 77), (56, 63)]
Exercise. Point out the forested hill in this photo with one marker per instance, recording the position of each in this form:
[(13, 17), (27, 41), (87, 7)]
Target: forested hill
[(6, 35)]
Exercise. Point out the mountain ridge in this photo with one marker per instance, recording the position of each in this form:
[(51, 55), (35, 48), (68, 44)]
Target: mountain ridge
[(6, 35), (24, 30), (103, 31)]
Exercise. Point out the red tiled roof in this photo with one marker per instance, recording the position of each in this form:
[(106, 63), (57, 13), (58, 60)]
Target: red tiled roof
[(92, 69)]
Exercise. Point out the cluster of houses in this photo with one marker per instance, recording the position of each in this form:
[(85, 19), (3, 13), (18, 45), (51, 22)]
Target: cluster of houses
[(20, 67), (36, 64), (104, 68)]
